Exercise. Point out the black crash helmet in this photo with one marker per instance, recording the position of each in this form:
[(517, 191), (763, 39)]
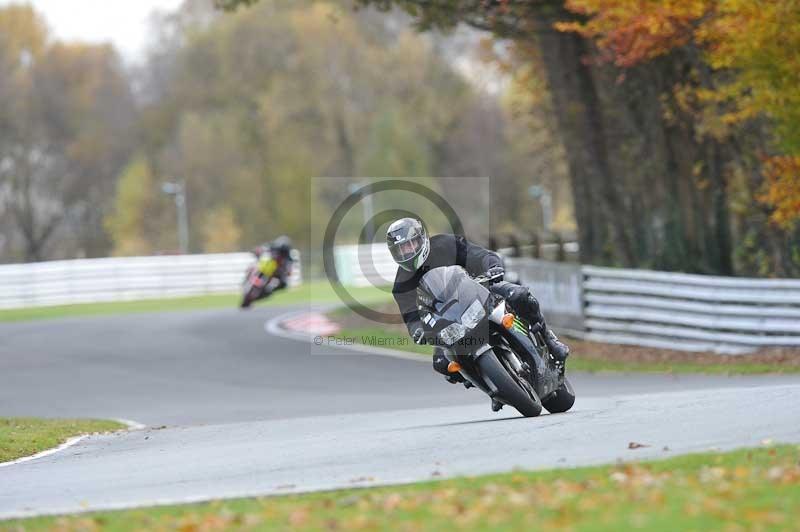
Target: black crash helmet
[(408, 243), (282, 245)]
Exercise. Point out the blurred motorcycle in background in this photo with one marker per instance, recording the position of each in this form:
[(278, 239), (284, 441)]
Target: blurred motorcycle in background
[(270, 272)]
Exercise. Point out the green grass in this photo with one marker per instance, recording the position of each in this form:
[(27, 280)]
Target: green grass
[(756, 489), (377, 336), (313, 292), (23, 436), (577, 363)]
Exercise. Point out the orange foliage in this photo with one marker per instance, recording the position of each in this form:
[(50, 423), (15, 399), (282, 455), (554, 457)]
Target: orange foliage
[(783, 189), (755, 43), (635, 31)]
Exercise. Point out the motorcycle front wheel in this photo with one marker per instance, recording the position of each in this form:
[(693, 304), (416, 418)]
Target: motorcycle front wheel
[(250, 296), (527, 403)]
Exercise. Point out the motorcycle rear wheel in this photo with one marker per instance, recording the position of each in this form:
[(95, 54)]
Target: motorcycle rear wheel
[(561, 400), (507, 388)]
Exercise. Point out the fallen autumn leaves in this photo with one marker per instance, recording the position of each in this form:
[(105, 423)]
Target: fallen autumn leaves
[(741, 490)]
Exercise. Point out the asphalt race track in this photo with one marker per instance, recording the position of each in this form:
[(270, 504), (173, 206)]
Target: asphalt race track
[(232, 410)]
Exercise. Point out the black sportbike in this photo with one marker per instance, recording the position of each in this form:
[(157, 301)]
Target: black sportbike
[(492, 348)]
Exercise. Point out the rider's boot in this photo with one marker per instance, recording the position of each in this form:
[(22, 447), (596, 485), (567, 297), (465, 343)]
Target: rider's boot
[(558, 349), (496, 405), (529, 306)]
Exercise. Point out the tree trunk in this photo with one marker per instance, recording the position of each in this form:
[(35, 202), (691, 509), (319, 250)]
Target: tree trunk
[(720, 214), (582, 128)]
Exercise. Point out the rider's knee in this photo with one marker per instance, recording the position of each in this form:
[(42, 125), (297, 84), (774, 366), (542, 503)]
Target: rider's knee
[(534, 304), (520, 296), (523, 301)]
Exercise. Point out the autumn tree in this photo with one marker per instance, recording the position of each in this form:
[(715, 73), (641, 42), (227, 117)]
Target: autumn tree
[(64, 135), (739, 92), (663, 153), (248, 107)]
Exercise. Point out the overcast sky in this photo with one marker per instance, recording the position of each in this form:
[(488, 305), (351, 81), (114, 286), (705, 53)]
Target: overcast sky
[(123, 22)]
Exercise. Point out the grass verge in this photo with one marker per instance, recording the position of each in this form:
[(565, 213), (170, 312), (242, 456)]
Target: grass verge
[(587, 357), (756, 489), (314, 292), (25, 436), (590, 356)]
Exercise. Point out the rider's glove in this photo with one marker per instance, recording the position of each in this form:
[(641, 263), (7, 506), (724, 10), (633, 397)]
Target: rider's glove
[(418, 336), (495, 273)]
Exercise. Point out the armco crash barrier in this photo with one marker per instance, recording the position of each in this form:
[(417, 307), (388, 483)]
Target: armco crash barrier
[(690, 312)]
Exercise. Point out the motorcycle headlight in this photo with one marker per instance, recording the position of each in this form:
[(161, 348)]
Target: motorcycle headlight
[(452, 333), (473, 315)]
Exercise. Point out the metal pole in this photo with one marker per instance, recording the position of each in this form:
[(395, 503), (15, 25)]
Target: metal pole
[(367, 200), (545, 201), (179, 191), (183, 218), (547, 209)]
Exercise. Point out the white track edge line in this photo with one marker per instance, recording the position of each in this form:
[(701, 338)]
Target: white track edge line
[(69, 443), (273, 327), (132, 426)]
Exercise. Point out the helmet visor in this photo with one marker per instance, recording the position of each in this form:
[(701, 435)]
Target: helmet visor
[(406, 247)]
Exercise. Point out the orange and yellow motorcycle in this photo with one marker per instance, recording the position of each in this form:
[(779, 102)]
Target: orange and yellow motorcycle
[(262, 279)]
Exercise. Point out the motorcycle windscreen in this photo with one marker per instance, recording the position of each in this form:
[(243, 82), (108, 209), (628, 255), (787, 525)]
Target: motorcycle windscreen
[(452, 290)]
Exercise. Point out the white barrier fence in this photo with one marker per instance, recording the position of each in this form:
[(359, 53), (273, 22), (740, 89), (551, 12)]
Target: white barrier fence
[(122, 279), (365, 265), (690, 312), (639, 307)]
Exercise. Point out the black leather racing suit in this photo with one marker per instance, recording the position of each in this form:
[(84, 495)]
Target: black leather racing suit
[(449, 250)]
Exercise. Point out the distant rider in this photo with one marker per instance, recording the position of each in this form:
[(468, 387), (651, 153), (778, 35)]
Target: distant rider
[(416, 254), (275, 261)]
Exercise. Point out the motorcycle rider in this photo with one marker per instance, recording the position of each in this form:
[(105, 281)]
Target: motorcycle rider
[(275, 261), (416, 254)]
